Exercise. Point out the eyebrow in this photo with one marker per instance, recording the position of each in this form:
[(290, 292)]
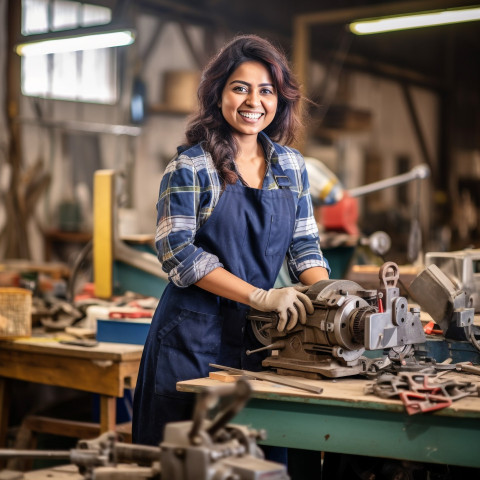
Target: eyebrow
[(249, 84)]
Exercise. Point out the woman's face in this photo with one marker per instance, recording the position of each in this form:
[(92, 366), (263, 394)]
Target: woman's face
[(249, 99)]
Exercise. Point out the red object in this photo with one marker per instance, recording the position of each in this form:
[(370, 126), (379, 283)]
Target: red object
[(136, 314), (420, 402), (380, 305), (429, 330), (342, 216)]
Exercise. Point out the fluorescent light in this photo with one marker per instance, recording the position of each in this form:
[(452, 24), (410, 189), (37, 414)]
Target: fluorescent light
[(90, 41), (417, 20)]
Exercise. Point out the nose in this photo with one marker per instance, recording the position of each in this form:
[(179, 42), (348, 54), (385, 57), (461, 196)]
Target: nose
[(253, 99)]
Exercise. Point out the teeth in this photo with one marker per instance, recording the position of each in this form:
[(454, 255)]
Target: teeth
[(251, 115)]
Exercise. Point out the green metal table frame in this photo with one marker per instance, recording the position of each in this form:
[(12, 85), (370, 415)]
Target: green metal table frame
[(449, 436)]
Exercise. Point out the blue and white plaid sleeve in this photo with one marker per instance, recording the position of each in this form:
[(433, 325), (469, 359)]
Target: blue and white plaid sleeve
[(305, 251), (178, 207)]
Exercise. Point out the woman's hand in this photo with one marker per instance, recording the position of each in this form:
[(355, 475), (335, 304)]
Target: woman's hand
[(289, 302)]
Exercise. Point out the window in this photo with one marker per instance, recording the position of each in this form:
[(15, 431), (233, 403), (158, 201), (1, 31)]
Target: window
[(88, 75)]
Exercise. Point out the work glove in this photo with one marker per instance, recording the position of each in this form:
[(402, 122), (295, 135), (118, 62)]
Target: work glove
[(290, 303)]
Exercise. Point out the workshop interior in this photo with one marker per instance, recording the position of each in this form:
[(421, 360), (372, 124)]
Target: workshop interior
[(382, 381)]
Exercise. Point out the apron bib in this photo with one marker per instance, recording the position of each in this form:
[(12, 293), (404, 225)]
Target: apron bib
[(249, 231)]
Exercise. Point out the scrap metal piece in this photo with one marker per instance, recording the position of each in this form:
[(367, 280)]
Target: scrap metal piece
[(419, 402)]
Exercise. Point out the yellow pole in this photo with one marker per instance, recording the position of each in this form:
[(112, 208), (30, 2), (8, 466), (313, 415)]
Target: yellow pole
[(103, 231)]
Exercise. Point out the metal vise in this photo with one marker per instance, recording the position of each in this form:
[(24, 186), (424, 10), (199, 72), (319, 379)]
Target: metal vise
[(347, 321), (201, 449)]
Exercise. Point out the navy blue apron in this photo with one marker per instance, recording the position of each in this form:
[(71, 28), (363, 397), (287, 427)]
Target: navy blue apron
[(250, 231)]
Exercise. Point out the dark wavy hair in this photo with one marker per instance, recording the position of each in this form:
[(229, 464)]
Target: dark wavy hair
[(208, 125)]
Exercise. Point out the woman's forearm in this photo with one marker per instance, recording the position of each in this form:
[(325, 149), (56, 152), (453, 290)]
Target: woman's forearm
[(313, 275), (223, 283)]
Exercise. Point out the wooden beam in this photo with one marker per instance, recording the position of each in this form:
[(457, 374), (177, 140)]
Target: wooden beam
[(14, 235), (199, 57), (407, 95), (393, 72), (301, 54)]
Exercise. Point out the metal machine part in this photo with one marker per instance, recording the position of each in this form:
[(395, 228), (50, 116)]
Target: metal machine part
[(438, 296), (201, 449), (420, 172), (450, 296), (463, 270), (379, 242), (347, 321)]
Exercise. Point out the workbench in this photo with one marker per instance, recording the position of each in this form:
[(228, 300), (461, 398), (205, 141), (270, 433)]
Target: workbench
[(105, 369), (344, 419)]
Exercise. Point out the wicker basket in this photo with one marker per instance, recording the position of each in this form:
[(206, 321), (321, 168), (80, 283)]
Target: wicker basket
[(15, 312)]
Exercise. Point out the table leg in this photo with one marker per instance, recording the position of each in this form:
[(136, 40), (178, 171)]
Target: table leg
[(4, 410), (108, 413)]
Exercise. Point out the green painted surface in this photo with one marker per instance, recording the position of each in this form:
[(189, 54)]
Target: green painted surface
[(427, 437)]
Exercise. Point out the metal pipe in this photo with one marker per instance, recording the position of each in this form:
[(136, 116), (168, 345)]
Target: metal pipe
[(419, 172), (51, 454)]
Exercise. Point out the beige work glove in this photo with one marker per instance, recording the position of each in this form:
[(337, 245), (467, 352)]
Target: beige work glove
[(290, 303)]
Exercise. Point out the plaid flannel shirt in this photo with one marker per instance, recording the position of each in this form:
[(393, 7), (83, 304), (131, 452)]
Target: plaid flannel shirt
[(190, 190)]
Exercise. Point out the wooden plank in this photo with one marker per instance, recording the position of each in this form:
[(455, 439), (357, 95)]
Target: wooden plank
[(103, 351), (224, 377), (63, 427)]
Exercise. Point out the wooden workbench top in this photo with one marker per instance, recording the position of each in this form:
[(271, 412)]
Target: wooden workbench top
[(52, 346), (348, 392)]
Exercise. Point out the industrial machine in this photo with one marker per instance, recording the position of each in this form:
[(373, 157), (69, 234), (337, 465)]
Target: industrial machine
[(448, 289), (347, 321), (200, 449)]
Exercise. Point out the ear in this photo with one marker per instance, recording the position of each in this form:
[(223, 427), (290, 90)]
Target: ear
[(219, 104)]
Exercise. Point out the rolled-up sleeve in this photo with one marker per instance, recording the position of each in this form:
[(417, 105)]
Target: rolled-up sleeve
[(177, 213), (305, 251)]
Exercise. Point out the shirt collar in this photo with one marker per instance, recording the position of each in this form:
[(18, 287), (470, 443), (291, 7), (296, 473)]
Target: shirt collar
[(267, 145)]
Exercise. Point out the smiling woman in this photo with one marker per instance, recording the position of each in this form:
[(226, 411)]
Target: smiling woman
[(248, 104), (232, 205)]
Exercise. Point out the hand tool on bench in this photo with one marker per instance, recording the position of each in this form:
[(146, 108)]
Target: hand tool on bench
[(271, 378)]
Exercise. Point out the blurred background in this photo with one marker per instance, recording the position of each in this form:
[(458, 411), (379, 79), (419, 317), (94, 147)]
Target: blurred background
[(382, 104)]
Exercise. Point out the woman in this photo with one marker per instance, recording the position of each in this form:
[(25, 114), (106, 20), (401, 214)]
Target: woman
[(231, 206)]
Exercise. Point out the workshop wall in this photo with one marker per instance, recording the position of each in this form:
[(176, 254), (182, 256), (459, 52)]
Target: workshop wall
[(381, 148), (143, 158), (68, 154)]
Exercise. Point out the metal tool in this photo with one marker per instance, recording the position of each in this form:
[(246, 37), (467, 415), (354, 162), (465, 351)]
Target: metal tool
[(347, 321), (288, 382)]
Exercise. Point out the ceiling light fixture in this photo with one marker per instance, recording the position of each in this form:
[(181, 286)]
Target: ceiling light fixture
[(414, 20), (74, 40)]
